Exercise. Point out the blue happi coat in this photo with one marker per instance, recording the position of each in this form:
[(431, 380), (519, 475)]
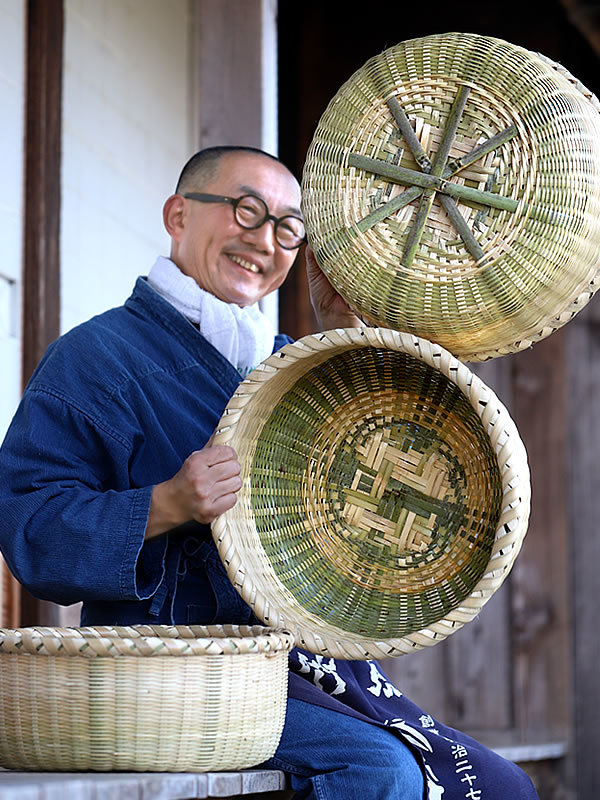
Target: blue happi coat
[(115, 406)]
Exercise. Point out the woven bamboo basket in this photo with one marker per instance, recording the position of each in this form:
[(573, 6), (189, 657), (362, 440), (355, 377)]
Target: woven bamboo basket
[(141, 698), (452, 190), (385, 493)]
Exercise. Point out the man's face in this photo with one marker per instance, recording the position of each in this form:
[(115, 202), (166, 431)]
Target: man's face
[(235, 264)]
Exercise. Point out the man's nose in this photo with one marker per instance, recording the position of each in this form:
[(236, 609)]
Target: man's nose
[(263, 237)]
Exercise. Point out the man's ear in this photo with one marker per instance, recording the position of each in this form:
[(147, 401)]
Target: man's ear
[(174, 216)]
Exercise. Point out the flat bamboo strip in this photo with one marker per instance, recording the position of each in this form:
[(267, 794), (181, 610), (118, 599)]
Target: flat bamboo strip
[(414, 144), (450, 129), (463, 229), (491, 144), (389, 208), (409, 177), (416, 232)]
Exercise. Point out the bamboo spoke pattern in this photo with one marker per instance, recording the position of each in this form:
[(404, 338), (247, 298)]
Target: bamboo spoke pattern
[(439, 173)]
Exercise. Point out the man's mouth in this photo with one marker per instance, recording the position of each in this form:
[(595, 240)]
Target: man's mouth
[(245, 264)]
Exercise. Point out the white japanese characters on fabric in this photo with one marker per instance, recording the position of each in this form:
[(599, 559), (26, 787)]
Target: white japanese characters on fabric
[(325, 674), (380, 683), (463, 769), (435, 790)]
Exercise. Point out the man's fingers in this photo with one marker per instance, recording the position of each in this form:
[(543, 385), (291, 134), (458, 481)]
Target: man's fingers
[(224, 503), (228, 486), (224, 481), (210, 456), (218, 454), (224, 470), (213, 476)]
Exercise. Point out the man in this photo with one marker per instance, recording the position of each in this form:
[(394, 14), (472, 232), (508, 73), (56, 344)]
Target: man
[(108, 479)]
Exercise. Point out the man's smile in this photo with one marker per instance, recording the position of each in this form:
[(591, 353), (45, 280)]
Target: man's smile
[(242, 262)]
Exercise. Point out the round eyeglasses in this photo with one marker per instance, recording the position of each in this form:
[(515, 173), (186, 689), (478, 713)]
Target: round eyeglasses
[(251, 212)]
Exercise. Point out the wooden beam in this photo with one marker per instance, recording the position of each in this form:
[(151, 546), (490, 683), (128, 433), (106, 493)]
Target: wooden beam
[(541, 605), (585, 16), (478, 676), (228, 73), (41, 265), (41, 268)]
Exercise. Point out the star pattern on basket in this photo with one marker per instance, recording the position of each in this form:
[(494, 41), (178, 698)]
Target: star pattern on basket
[(434, 179)]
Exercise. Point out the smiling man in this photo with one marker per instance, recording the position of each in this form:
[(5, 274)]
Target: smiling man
[(219, 235), (108, 479)]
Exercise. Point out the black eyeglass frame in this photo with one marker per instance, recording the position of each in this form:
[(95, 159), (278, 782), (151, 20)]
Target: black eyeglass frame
[(235, 201)]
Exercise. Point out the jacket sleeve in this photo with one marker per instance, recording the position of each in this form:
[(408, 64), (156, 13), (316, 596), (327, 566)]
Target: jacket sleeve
[(71, 526)]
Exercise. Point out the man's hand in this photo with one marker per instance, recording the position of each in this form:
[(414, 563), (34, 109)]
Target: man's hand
[(205, 486), (331, 310)]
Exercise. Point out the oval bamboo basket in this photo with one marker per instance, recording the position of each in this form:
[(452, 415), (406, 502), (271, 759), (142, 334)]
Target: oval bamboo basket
[(148, 698), (452, 190), (385, 493)]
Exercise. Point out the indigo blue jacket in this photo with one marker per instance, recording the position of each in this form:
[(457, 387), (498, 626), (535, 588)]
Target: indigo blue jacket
[(115, 406)]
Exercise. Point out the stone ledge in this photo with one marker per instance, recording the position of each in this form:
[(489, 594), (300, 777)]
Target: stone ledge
[(136, 786), (532, 752)]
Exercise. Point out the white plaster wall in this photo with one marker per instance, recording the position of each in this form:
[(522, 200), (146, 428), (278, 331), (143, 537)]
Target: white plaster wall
[(12, 90), (126, 135), (270, 143)]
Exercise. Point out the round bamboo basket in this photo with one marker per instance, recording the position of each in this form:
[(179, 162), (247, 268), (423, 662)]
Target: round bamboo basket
[(385, 493), (142, 698), (452, 190)]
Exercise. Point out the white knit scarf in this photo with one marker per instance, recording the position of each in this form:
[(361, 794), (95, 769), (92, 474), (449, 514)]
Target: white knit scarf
[(245, 336)]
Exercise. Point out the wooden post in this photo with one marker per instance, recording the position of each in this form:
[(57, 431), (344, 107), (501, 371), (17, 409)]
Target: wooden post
[(9, 598), (228, 72), (41, 267), (234, 68)]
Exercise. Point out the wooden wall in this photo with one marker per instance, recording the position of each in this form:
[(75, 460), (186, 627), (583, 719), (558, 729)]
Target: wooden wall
[(582, 387)]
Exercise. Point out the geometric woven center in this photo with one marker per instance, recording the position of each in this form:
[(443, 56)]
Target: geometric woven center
[(399, 505)]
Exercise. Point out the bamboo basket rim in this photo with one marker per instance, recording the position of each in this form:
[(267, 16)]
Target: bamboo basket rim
[(153, 641), (274, 603)]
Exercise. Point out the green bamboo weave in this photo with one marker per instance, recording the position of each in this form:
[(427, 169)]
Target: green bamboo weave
[(383, 500), (452, 190)]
